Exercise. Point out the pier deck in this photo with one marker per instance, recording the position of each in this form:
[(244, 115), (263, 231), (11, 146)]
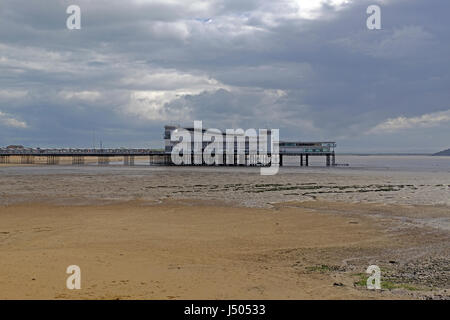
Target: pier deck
[(156, 157)]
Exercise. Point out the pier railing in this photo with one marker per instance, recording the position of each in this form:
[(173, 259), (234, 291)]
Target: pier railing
[(80, 152)]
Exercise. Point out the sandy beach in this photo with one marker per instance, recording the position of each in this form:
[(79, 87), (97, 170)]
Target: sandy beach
[(174, 233)]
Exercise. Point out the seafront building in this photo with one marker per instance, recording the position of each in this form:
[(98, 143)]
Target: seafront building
[(285, 148)]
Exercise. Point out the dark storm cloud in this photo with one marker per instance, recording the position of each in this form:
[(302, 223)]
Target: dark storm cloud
[(136, 65)]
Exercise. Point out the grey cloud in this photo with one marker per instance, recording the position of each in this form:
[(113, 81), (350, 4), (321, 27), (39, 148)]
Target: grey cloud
[(229, 63)]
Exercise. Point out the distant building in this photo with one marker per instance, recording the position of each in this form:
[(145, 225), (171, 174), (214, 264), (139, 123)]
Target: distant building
[(306, 147), (285, 147), (234, 137), (15, 147)]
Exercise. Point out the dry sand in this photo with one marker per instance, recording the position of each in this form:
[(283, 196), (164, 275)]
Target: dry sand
[(192, 250)]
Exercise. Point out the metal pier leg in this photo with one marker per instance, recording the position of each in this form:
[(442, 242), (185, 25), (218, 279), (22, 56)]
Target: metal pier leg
[(103, 160), (333, 159), (4, 159), (307, 160), (51, 160), (281, 160), (128, 160), (301, 160), (200, 159), (77, 160), (328, 160), (26, 159), (251, 159)]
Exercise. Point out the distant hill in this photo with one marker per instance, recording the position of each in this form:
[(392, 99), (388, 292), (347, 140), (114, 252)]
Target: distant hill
[(443, 153)]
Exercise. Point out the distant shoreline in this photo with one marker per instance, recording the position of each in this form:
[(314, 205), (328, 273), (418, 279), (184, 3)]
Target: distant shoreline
[(390, 154)]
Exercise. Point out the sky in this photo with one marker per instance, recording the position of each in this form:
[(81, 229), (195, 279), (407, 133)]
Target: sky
[(310, 68)]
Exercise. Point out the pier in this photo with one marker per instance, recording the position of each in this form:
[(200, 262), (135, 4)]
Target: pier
[(240, 153), (155, 157)]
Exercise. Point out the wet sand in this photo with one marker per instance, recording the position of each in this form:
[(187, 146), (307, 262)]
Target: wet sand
[(135, 236)]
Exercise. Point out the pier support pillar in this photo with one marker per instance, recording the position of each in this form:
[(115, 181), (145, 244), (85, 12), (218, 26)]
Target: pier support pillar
[(264, 160), (281, 160), (250, 160), (307, 160), (328, 160), (52, 160), (26, 159), (167, 160), (128, 160), (76, 160), (4, 159), (333, 159), (231, 159), (103, 160), (301, 160)]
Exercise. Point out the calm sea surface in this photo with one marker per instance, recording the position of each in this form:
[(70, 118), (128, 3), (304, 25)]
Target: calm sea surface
[(355, 163)]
